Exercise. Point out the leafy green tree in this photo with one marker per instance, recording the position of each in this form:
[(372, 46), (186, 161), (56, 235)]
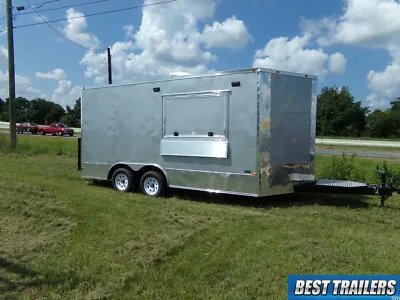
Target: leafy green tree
[(3, 111), (395, 115), (73, 115), (385, 124), (380, 124), (22, 106), (395, 105), (43, 111), (21, 109), (338, 114)]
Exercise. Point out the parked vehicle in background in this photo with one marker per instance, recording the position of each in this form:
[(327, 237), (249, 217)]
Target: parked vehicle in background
[(27, 127), (55, 129)]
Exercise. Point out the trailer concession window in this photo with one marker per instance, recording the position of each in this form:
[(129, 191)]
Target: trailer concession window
[(196, 124)]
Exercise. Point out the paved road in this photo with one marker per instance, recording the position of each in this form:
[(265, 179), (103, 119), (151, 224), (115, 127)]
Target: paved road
[(354, 142), (361, 153)]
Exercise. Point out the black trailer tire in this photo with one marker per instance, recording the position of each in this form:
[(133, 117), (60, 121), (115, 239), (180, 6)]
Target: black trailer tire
[(153, 184), (123, 180)]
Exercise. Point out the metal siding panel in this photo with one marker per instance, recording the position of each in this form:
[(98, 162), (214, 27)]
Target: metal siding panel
[(291, 130), (264, 131), (215, 181), (95, 171), (99, 127), (291, 119), (313, 129)]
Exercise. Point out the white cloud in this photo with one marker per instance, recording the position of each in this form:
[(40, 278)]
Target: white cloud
[(337, 63), (385, 85), (367, 23), (169, 39), (75, 27), (65, 94), (23, 86), (129, 31), (292, 55), (3, 57), (56, 74), (169, 33), (231, 33)]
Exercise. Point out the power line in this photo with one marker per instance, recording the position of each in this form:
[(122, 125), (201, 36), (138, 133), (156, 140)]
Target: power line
[(95, 14), (44, 3), (55, 30), (62, 7), (50, 1), (56, 8)]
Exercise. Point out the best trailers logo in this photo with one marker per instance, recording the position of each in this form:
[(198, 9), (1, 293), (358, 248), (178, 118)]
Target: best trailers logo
[(344, 287)]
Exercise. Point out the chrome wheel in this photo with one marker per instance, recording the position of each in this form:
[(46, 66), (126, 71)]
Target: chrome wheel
[(151, 186), (121, 182)]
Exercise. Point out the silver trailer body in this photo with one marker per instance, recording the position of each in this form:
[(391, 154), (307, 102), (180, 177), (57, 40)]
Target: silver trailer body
[(246, 132)]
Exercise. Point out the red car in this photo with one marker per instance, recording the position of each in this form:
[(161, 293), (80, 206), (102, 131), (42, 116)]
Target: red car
[(27, 127), (55, 129)]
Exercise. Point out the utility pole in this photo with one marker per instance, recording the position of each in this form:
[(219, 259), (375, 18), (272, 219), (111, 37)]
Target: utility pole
[(109, 65), (11, 74)]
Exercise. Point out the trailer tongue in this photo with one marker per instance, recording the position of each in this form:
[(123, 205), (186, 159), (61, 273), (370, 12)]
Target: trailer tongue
[(329, 186)]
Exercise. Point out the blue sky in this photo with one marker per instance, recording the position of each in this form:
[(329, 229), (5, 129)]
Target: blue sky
[(349, 42)]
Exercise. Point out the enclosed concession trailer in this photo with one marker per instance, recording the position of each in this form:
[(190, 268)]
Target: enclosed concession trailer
[(246, 132)]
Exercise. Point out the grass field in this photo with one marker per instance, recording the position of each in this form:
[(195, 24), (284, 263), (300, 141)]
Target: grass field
[(62, 238)]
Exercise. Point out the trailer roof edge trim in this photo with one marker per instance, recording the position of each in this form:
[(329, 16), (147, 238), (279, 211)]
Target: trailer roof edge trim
[(218, 73)]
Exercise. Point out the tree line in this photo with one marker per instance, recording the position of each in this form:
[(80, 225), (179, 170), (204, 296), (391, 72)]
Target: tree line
[(41, 111), (338, 114)]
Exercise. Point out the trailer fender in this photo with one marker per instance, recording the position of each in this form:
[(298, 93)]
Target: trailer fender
[(119, 165)]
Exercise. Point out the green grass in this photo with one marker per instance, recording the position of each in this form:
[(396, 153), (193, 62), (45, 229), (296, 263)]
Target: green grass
[(34, 145), (62, 238)]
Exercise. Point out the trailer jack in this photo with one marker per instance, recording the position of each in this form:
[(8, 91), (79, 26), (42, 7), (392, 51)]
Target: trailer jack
[(383, 199), (329, 186)]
